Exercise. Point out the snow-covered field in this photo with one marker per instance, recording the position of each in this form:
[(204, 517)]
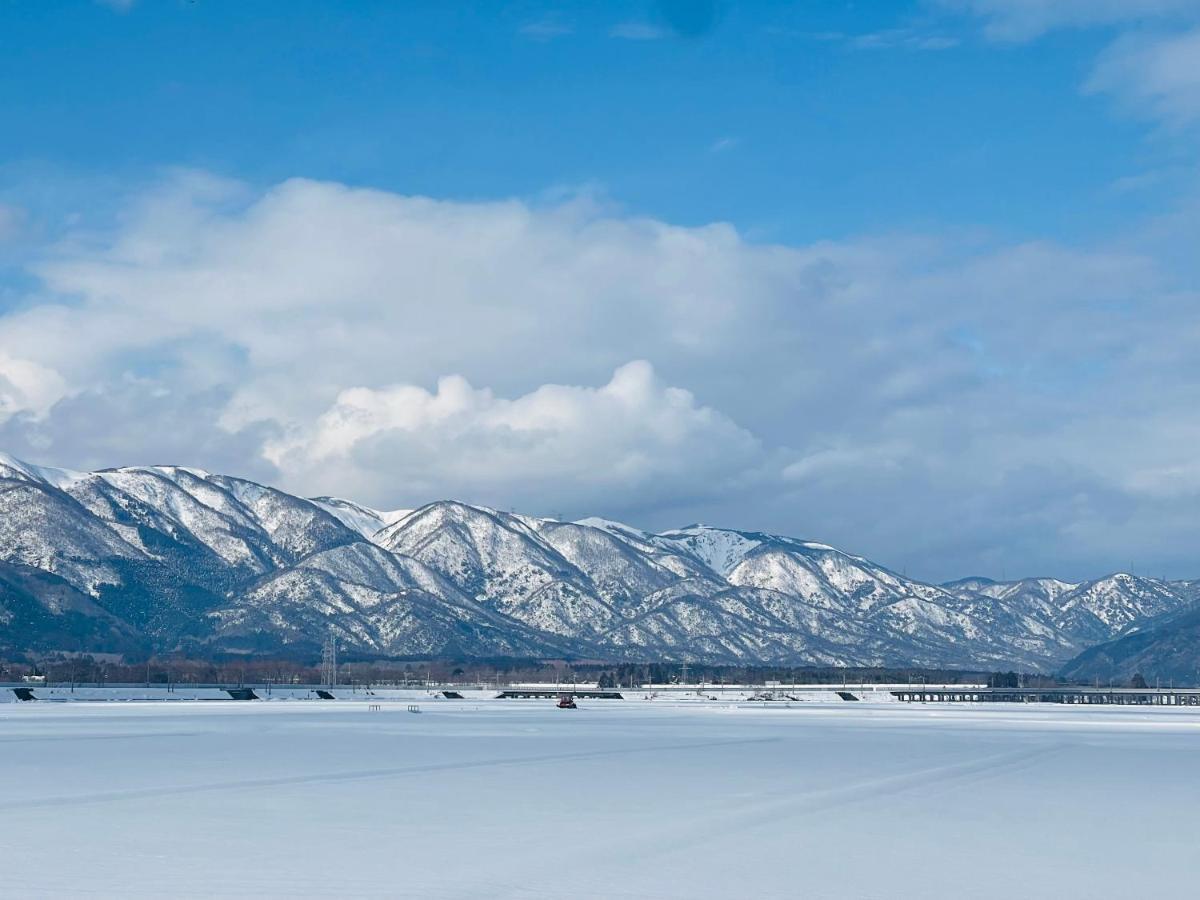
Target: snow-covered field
[(617, 799)]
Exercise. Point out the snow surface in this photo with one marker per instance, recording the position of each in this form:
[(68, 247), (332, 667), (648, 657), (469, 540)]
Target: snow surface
[(717, 548), (363, 519), (620, 529), (616, 799), (11, 467)]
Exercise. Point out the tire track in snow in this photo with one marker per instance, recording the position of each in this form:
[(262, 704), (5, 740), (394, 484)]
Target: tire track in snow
[(809, 802), (360, 775), (76, 738), (657, 842)]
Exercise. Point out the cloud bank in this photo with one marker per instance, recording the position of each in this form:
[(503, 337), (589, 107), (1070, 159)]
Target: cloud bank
[(946, 403)]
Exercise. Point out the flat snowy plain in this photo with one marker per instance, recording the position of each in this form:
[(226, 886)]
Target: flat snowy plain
[(617, 799)]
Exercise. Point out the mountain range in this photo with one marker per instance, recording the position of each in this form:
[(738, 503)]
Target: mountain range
[(169, 558)]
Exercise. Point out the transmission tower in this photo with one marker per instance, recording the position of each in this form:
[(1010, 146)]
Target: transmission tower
[(329, 661)]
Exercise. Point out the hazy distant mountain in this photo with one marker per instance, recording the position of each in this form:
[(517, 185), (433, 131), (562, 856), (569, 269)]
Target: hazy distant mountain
[(176, 558)]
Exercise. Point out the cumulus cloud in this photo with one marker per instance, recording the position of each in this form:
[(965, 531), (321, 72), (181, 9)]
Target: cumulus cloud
[(369, 287), (632, 441), (886, 394), (26, 386)]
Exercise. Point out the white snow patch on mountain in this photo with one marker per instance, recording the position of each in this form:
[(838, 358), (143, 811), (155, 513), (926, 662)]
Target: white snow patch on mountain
[(12, 467), (363, 519), (717, 548)]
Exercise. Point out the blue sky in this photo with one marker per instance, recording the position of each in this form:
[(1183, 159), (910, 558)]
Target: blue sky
[(789, 119), (914, 278)]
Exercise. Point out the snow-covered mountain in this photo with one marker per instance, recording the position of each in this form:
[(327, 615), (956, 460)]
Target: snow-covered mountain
[(1088, 612), (168, 557), (1162, 649)]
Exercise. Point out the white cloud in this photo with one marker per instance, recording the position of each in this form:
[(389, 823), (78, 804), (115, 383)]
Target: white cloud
[(368, 286), (902, 39), (624, 442), (1022, 20), (1152, 67), (1155, 76), (546, 29), (26, 386)]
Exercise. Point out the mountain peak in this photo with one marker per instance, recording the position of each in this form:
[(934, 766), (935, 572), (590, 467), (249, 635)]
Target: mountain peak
[(11, 467)]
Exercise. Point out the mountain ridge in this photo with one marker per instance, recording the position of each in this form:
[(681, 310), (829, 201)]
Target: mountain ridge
[(177, 558)]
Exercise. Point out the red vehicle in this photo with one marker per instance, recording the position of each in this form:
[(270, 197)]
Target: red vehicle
[(566, 701)]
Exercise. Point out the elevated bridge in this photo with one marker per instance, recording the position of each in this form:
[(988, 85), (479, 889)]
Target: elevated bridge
[(1066, 695)]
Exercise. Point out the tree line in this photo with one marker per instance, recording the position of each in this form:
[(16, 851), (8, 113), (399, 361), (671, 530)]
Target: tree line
[(250, 669)]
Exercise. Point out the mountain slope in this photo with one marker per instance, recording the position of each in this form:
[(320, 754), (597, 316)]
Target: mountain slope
[(1085, 613), (40, 611), (503, 564), (1165, 650), (372, 600)]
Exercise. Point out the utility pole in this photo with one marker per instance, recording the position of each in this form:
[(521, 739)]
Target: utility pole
[(329, 661)]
